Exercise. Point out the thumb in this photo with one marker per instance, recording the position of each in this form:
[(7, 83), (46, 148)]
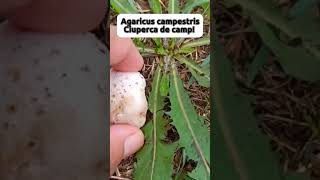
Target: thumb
[(125, 140)]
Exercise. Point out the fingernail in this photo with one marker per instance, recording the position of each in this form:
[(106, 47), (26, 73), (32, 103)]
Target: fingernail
[(133, 143)]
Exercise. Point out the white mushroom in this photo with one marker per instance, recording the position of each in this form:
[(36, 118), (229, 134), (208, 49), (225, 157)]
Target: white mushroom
[(53, 104), (128, 104)]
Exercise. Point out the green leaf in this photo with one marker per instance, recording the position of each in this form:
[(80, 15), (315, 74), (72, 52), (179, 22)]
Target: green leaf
[(123, 7), (155, 101), (157, 41), (301, 8), (269, 12), (147, 50), (241, 151), (183, 175), (138, 42), (186, 50), (261, 59), (173, 7), (164, 85), (206, 8), (198, 42), (155, 6), (133, 4), (304, 17), (194, 134), (155, 159), (296, 61), (161, 51), (191, 80), (200, 73), (191, 4), (206, 63)]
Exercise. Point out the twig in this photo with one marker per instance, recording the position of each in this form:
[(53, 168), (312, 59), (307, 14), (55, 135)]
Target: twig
[(120, 178), (118, 172), (268, 131), (291, 121)]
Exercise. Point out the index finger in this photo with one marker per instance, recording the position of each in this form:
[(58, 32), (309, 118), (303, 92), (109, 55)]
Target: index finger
[(124, 56)]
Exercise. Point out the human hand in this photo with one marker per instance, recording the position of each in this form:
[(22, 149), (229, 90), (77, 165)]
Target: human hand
[(124, 139), (81, 16)]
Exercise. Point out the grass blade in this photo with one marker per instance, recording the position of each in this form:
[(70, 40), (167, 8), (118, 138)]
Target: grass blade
[(191, 4), (155, 6), (241, 151), (198, 42), (123, 7), (173, 7), (194, 135), (155, 159)]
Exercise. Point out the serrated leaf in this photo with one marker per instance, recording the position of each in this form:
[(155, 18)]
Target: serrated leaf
[(198, 42), (155, 6), (155, 159), (164, 85), (173, 7), (123, 7), (191, 4), (269, 12), (241, 151), (200, 73), (154, 165), (296, 61), (183, 175), (193, 133)]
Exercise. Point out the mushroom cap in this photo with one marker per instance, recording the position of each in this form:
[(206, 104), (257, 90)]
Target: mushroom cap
[(53, 109), (128, 103)]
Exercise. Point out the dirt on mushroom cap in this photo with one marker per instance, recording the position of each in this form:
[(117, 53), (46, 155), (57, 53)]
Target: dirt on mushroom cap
[(128, 103), (55, 113)]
